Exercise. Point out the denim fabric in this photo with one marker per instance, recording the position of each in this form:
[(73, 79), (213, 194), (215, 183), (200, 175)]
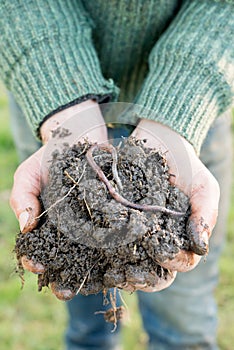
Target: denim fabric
[(182, 317), (87, 330)]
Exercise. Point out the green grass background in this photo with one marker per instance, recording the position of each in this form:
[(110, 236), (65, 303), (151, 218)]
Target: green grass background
[(36, 321)]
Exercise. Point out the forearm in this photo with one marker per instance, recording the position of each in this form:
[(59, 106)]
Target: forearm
[(191, 77), (47, 57)]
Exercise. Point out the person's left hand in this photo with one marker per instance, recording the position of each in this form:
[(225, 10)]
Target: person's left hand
[(194, 179)]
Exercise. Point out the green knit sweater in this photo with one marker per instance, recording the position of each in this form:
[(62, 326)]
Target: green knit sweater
[(171, 56)]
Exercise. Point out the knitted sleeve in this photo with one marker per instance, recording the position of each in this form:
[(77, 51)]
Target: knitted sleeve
[(47, 58), (191, 70)]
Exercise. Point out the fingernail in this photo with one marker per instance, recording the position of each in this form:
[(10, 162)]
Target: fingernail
[(23, 219)]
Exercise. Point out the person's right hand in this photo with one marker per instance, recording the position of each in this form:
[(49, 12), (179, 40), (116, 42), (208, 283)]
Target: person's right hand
[(89, 124)]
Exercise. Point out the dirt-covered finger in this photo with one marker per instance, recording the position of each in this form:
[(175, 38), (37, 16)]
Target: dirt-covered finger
[(199, 233), (31, 266), (148, 280), (60, 293), (204, 211), (160, 283), (183, 262), (26, 190), (163, 284)]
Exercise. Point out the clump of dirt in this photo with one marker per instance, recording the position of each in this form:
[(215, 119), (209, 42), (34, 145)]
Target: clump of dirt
[(104, 222)]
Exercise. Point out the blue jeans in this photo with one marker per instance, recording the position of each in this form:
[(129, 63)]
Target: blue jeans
[(183, 316)]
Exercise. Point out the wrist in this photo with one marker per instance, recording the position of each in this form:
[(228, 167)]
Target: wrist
[(51, 124), (158, 135)]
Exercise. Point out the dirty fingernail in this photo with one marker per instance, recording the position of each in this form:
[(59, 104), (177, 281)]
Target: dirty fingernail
[(23, 219)]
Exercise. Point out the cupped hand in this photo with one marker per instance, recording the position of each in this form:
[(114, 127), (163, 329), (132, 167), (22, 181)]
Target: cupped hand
[(192, 177), (84, 121)]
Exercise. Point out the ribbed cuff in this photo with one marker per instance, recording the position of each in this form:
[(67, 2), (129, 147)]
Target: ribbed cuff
[(183, 95), (51, 79)]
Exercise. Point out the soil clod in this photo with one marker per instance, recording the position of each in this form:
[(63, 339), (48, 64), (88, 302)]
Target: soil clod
[(109, 215)]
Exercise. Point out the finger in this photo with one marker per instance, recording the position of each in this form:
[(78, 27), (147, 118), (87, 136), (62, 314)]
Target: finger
[(204, 211), (204, 200), (29, 265), (157, 283), (26, 189), (162, 285), (162, 282), (60, 293), (183, 262)]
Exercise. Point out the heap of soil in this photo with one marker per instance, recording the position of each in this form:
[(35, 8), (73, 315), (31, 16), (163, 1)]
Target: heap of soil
[(88, 241)]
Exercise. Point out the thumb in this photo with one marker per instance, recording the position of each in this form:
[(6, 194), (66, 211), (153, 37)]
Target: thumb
[(26, 189), (204, 211)]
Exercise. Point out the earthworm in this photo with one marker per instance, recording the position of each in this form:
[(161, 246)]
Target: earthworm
[(111, 189)]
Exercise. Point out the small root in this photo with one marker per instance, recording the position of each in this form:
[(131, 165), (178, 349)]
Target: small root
[(70, 177), (86, 277), (76, 183), (83, 282), (55, 203), (115, 313), (87, 207)]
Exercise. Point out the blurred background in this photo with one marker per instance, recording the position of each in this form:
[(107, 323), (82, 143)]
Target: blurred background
[(36, 321)]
